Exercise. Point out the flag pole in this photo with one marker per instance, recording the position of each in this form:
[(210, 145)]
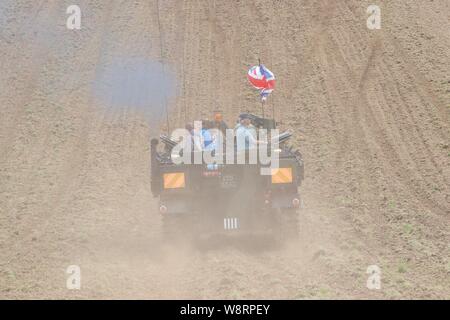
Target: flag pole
[(273, 108)]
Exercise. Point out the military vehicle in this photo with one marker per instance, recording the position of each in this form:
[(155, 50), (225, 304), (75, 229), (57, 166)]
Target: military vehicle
[(197, 200)]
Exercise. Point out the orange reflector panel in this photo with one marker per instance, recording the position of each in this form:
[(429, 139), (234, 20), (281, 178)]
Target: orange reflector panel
[(282, 175), (173, 180)]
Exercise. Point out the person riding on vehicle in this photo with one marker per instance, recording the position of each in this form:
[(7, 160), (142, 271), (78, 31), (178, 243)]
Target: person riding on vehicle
[(208, 141), (219, 123)]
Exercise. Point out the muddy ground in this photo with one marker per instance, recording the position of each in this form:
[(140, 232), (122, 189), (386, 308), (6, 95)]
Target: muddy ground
[(369, 109)]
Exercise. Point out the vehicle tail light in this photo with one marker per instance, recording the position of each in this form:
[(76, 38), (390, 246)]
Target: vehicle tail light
[(267, 197), (162, 209), (211, 173)]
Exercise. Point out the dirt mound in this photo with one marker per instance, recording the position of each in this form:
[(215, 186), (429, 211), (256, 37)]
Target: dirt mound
[(369, 108)]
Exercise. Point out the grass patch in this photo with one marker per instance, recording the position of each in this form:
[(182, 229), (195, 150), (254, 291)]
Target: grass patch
[(407, 228), (401, 268), (392, 204)]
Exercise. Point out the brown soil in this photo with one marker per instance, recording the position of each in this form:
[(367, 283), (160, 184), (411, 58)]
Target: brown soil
[(369, 109)]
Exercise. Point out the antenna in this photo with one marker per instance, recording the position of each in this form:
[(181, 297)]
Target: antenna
[(162, 64), (262, 108)]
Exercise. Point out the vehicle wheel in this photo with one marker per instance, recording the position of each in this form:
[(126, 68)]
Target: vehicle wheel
[(287, 228)]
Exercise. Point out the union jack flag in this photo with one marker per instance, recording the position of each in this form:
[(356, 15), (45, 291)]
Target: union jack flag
[(262, 79)]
